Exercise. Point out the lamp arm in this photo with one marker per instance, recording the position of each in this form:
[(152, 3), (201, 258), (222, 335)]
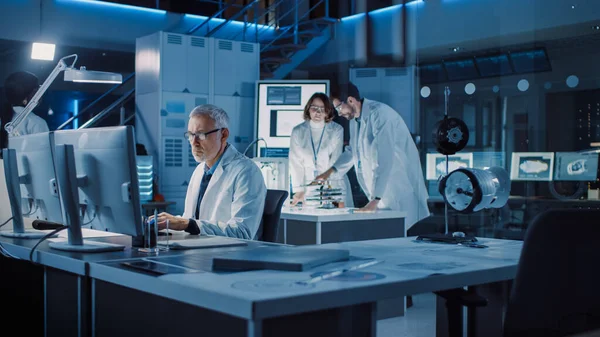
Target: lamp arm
[(13, 126)]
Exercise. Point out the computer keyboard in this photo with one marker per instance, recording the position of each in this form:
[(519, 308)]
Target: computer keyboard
[(202, 242)]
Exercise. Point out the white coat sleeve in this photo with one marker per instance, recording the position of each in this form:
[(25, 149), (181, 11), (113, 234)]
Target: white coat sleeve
[(345, 162), (383, 134), (338, 147), (246, 209), (37, 125), (296, 163)]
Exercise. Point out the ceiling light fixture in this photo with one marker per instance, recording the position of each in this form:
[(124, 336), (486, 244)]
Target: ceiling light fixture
[(43, 51)]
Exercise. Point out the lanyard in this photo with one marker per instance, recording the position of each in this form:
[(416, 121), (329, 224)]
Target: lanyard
[(316, 152)]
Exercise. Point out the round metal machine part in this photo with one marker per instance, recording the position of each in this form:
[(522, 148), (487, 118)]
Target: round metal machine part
[(450, 135)]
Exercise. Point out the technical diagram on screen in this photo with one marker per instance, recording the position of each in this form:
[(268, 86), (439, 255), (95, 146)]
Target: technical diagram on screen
[(280, 95), (436, 164), (576, 166), (284, 121), (279, 108), (532, 166)]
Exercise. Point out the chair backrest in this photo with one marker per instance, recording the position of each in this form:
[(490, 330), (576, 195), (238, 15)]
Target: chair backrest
[(557, 288), (269, 225)]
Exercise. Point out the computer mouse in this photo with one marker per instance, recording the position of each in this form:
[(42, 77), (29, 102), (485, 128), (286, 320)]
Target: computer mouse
[(458, 235)]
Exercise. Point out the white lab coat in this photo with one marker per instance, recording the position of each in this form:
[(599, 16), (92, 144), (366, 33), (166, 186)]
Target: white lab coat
[(234, 199), (387, 161), (301, 157), (32, 124)]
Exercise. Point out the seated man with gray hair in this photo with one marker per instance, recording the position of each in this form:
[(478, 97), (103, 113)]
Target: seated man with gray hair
[(226, 194)]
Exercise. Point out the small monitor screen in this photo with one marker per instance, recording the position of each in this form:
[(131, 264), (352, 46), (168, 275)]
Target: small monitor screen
[(576, 166), (461, 69), (436, 164), (530, 61), (278, 95), (532, 166), (283, 121), (493, 65), (481, 160), (432, 73)]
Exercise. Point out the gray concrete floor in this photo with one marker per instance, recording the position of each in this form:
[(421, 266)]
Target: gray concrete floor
[(419, 320)]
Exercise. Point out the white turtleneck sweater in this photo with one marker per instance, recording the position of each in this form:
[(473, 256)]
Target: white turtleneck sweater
[(316, 129)]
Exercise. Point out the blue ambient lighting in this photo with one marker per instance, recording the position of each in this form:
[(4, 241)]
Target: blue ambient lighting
[(386, 9), (117, 6), (219, 21), (352, 17), (414, 2), (75, 113)]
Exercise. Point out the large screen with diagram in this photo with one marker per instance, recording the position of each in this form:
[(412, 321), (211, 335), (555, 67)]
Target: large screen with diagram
[(532, 166), (575, 166), (279, 108)]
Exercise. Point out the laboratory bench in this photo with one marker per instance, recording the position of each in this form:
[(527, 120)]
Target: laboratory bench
[(95, 295)]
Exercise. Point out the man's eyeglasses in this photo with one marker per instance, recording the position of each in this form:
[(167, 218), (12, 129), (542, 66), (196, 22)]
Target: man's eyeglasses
[(200, 135), (338, 107), (315, 108)]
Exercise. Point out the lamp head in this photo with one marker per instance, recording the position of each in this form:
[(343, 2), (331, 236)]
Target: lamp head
[(83, 75)]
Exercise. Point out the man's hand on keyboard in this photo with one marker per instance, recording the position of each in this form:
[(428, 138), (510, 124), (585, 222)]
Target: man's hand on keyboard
[(175, 222)]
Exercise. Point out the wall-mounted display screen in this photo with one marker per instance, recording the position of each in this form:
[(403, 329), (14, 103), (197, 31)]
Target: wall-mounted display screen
[(532, 166), (279, 108), (575, 166), (436, 164)]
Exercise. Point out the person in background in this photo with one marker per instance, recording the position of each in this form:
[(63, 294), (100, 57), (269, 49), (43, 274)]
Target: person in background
[(315, 145), (226, 194), (384, 155), (19, 88)]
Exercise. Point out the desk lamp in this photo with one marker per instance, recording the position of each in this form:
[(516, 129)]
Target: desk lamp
[(72, 74)]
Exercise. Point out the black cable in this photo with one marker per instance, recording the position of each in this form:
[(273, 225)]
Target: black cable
[(44, 238), (2, 249), (5, 222)]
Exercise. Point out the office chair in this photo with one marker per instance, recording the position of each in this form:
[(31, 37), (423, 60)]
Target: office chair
[(557, 288), (269, 225)]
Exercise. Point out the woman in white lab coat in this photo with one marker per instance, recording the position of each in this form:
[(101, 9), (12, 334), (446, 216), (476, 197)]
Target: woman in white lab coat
[(19, 88), (315, 145)]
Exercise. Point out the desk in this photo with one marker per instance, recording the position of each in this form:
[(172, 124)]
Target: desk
[(317, 226), (270, 303), (93, 295), (54, 294)]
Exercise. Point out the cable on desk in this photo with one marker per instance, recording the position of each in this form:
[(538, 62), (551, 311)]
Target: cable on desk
[(5, 222), (3, 250), (44, 238)]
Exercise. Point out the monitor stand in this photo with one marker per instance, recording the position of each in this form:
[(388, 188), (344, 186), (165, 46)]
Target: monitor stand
[(66, 178), (13, 188)]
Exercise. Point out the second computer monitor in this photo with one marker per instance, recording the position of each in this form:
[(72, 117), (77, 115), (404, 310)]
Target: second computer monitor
[(105, 161), (39, 194)]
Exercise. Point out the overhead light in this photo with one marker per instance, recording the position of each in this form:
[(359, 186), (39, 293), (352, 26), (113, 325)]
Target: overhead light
[(456, 49), (82, 75), (43, 51), (596, 27)]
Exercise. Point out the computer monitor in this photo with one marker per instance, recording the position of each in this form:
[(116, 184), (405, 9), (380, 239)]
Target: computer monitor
[(436, 164), (574, 166), (283, 122), (102, 162), (535, 166), (31, 183), (5, 212)]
